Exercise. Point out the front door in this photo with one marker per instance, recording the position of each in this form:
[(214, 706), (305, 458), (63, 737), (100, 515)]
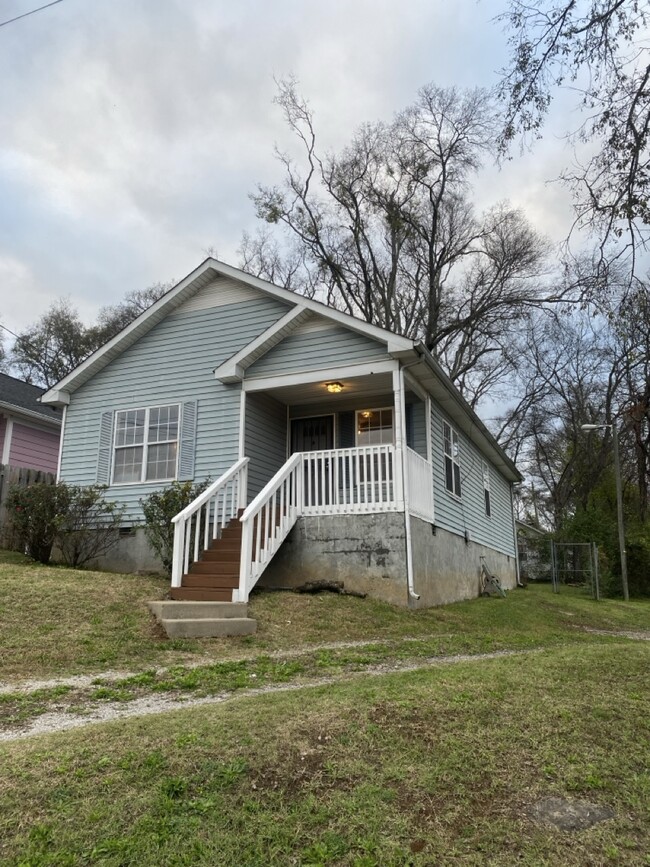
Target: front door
[(312, 434)]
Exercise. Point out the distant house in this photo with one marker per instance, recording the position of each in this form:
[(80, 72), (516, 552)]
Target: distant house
[(29, 430), (337, 450)]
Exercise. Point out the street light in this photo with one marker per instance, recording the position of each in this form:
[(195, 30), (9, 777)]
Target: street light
[(619, 501)]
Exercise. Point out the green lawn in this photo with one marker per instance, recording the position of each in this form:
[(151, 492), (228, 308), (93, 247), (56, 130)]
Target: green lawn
[(436, 766), (431, 767), (56, 621)]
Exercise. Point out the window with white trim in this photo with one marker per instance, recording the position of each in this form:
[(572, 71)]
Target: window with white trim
[(452, 459), (486, 489), (375, 426), (145, 444)]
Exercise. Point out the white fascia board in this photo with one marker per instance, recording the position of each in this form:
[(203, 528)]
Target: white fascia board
[(56, 396), (185, 289), (346, 319), (156, 310), (234, 368), (320, 375)]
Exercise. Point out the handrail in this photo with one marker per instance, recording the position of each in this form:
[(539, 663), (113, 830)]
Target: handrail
[(197, 525), (267, 521), (255, 504), (211, 490)]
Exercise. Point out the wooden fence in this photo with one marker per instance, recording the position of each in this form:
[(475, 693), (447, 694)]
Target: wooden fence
[(17, 476)]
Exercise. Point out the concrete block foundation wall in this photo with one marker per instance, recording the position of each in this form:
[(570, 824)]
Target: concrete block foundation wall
[(368, 554), (133, 553), (447, 568)]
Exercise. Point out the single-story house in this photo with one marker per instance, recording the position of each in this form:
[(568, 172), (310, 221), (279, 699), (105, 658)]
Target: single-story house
[(30, 432), (336, 449)]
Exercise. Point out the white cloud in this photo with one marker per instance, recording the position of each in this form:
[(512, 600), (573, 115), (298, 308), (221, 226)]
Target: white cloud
[(132, 132)]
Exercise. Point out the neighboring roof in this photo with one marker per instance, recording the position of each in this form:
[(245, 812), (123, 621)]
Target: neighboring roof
[(23, 398), (424, 367), (529, 528)]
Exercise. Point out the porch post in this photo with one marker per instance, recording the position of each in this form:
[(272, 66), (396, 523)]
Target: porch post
[(400, 437), (401, 470)]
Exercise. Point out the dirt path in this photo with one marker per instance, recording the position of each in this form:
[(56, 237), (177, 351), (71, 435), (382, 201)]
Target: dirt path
[(83, 681), (81, 708), (61, 719)]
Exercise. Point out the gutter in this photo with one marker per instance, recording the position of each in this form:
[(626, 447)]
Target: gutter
[(30, 413)]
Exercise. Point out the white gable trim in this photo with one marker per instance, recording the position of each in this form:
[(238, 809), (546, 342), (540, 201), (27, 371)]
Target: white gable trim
[(197, 279), (394, 341), (234, 368)]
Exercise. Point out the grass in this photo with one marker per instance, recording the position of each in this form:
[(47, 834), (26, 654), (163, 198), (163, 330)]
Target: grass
[(431, 767), (58, 621)]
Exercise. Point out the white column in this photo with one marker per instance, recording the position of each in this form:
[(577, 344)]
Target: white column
[(400, 437)]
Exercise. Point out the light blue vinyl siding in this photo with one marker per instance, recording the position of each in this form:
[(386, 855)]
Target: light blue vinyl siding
[(418, 428), (265, 440), (173, 363), (468, 512), (317, 350)]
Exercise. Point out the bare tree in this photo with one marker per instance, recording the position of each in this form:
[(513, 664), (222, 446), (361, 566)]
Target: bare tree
[(48, 350), (114, 318), (54, 345), (599, 49), (385, 230)]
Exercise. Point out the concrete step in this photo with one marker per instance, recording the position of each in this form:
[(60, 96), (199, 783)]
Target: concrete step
[(172, 610), (206, 628)]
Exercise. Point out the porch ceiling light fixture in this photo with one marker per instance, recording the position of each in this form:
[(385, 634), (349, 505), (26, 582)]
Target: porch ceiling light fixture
[(334, 387)]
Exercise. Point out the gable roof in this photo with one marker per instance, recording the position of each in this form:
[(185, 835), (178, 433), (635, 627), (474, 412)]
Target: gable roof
[(206, 272), (421, 362), (23, 398)]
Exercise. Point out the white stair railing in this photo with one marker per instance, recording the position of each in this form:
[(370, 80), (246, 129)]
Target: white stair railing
[(201, 522), (267, 522), (420, 486)]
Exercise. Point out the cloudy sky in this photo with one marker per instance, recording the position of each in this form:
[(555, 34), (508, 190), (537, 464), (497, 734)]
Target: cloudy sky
[(132, 131)]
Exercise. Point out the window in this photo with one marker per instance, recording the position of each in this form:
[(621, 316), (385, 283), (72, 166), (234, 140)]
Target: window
[(375, 427), (452, 459), (145, 444), (486, 489)]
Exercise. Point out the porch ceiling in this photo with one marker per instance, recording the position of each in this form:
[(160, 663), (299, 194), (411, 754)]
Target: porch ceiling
[(359, 388)]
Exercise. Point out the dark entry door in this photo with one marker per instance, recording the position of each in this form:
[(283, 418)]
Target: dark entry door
[(312, 434)]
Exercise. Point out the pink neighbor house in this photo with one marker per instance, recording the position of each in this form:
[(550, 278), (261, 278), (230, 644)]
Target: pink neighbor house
[(30, 431)]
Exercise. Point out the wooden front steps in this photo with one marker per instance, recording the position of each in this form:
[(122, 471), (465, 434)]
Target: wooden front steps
[(214, 576)]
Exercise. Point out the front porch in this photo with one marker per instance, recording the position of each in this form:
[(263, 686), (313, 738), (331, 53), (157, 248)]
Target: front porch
[(306, 451)]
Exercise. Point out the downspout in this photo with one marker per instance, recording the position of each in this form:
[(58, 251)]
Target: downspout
[(405, 484), (514, 534), (60, 458)]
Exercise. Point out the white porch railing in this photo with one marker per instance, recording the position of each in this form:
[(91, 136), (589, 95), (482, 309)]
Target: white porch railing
[(339, 481), (419, 485), (347, 481), (200, 522), (267, 522), (336, 482)]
